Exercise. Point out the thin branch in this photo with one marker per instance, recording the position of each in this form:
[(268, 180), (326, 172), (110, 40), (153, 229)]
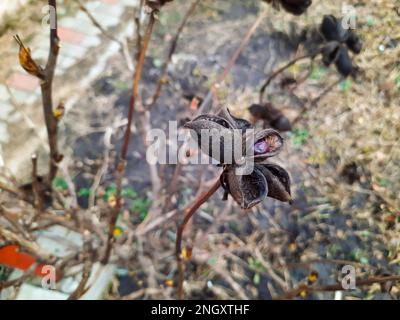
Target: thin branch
[(16, 282), (38, 200), (315, 101), (124, 151), (207, 101), (47, 95), (9, 189), (188, 215), (30, 246), (103, 169), (138, 28), (171, 52), (279, 71), (87, 268), (122, 44)]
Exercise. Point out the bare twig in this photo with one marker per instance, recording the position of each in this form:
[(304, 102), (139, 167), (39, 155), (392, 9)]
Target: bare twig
[(12, 219), (171, 51), (102, 171), (9, 189), (16, 282), (138, 29), (207, 101), (279, 71), (28, 245), (47, 95), (315, 101), (87, 268), (38, 203), (123, 45), (268, 268), (124, 151), (189, 212)]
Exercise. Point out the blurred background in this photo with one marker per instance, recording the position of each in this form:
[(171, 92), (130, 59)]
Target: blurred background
[(342, 150)]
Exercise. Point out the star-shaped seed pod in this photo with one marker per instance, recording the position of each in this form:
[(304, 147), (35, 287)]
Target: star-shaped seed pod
[(265, 180), (339, 41), (296, 7)]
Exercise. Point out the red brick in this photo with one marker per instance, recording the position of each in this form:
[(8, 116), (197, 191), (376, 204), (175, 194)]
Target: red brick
[(70, 35), (23, 82)]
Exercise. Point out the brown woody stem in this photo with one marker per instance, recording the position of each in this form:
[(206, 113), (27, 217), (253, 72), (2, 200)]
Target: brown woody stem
[(125, 147), (188, 215), (171, 52), (47, 95), (279, 71)]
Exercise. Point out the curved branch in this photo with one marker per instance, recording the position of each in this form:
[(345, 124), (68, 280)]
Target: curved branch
[(188, 215), (279, 71)]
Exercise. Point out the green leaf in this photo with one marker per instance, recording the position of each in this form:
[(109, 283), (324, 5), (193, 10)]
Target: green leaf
[(129, 193), (370, 21), (345, 85), (121, 85), (84, 192), (383, 182), (299, 136), (256, 279), (364, 260), (110, 191), (141, 207), (212, 260), (60, 183), (157, 63), (317, 73), (397, 80)]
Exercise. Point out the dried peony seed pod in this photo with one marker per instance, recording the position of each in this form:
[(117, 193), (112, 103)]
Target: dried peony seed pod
[(213, 135), (343, 62), (296, 7), (271, 115), (329, 53), (354, 42), (336, 51), (265, 179), (156, 4), (332, 29), (267, 143), (246, 190), (278, 182)]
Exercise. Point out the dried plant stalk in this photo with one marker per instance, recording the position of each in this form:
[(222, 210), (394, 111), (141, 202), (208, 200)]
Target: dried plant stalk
[(125, 147), (188, 215)]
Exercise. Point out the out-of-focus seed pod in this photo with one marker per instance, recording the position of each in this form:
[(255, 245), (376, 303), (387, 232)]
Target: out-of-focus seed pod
[(296, 7), (271, 115), (354, 43), (329, 53), (156, 4), (329, 28), (343, 62)]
